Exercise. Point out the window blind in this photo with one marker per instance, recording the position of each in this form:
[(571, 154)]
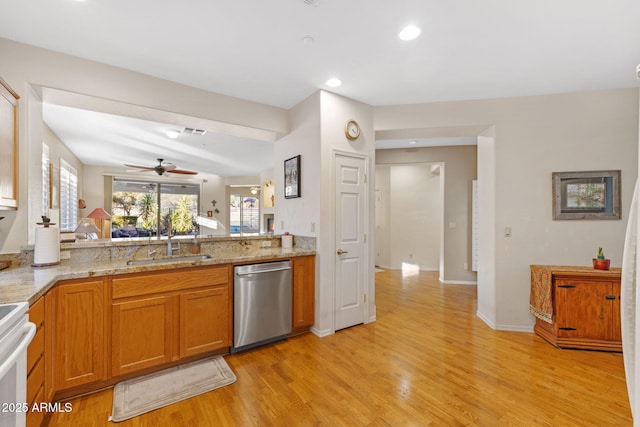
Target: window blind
[(68, 197)]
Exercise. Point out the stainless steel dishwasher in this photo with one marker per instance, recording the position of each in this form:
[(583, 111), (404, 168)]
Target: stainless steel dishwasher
[(261, 304)]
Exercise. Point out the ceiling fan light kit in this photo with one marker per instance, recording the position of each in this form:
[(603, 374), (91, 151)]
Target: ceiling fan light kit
[(161, 168)]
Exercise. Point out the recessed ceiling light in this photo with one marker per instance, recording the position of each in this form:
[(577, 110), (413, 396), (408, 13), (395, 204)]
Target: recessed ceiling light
[(333, 82), (308, 40), (410, 32), (172, 133), (412, 142)]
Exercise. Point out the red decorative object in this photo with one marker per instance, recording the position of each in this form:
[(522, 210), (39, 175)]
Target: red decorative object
[(601, 264)]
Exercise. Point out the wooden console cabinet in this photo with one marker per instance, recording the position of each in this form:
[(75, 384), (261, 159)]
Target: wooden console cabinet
[(586, 310)]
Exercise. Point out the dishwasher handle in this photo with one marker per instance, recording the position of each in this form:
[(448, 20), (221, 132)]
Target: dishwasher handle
[(249, 273)]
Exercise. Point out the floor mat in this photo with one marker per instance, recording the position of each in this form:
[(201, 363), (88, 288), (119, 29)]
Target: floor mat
[(146, 393)]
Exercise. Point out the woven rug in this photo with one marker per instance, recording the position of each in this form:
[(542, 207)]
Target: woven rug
[(146, 393)]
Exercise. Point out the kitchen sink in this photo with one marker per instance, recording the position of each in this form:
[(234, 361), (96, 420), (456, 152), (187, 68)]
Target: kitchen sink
[(169, 260)]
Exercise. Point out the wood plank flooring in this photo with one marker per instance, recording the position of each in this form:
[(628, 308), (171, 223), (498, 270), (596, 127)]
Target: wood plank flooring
[(427, 360)]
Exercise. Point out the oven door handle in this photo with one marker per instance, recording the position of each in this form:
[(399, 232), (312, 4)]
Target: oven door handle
[(29, 330)]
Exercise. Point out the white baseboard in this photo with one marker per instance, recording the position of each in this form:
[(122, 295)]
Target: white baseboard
[(321, 334), (497, 327), (459, 282)]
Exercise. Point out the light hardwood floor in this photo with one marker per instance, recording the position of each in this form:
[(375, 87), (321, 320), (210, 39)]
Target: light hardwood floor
[(427, 360)]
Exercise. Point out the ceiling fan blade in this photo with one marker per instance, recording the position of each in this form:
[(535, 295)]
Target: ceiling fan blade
[(140, 167), (183, 172)]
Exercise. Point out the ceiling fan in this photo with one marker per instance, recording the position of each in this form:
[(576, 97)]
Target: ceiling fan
[(160, 168)]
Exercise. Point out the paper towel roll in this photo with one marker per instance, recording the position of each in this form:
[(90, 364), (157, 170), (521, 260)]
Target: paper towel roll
[(46, 250), (287, 241)]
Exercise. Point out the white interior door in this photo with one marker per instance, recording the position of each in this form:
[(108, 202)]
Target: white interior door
[(350, 241)]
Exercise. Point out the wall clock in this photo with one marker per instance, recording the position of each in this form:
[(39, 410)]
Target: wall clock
[(352, 130)]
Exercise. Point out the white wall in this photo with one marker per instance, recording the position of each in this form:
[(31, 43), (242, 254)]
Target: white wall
[(317, 130), (28, 69), (412, 196), (336, 110), (298, 215), (533, 137), (457, 171)]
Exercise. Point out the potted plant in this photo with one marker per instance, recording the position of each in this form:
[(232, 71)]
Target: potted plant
[(600, 262)]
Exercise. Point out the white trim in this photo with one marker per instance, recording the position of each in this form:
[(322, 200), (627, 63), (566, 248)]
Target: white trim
[(459, 282), (509, 328), (321, 334)]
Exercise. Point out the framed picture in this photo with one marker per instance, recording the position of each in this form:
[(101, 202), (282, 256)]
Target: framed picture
[(292, 177), (586, 195)]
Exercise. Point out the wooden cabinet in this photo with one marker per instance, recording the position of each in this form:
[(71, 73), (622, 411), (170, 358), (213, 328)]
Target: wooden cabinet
[(8, 147), (165, 316), (204, 320), (78, 327), (303, 293), (101, 330), (142, 333), (36, 364), (586, 311)]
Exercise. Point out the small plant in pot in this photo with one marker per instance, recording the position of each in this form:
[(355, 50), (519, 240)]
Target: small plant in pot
[(600, 262)]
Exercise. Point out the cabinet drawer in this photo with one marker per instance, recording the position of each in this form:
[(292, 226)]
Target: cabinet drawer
[(35, 349), (35, 419), (35, 381), (36, 313), (168, 281)]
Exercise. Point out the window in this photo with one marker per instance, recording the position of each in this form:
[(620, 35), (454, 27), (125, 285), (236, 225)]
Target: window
[(143, 205), (244, 214), (46, 181), (68, 197)]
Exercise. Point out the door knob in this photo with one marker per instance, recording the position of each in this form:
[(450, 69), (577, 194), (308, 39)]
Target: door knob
[(340, 252)]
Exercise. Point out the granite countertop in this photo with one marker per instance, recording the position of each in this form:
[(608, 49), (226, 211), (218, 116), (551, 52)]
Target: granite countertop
[(30, 283)]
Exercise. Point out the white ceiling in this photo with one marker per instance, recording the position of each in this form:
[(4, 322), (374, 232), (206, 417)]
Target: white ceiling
[(254, 49)]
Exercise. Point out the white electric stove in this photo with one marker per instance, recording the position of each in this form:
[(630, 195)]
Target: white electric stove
[(16, 332)]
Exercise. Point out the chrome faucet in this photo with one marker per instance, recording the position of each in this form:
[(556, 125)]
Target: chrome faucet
[(170, 247), (149, 251)]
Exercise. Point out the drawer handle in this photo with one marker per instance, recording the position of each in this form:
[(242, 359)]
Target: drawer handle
[(566, 286), (610, 297), (568, 329)]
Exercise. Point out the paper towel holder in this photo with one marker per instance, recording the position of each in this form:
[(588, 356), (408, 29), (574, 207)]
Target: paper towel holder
[(46, 249)]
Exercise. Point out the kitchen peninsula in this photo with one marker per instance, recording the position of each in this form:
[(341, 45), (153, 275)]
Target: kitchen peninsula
[(103, 257), (117, 309)]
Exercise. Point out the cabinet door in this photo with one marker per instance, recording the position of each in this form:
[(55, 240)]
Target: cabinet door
[(584, 309), (8, 148), (142, 333), (614, 298), (303, 291), (79, 340), (204, 320)]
